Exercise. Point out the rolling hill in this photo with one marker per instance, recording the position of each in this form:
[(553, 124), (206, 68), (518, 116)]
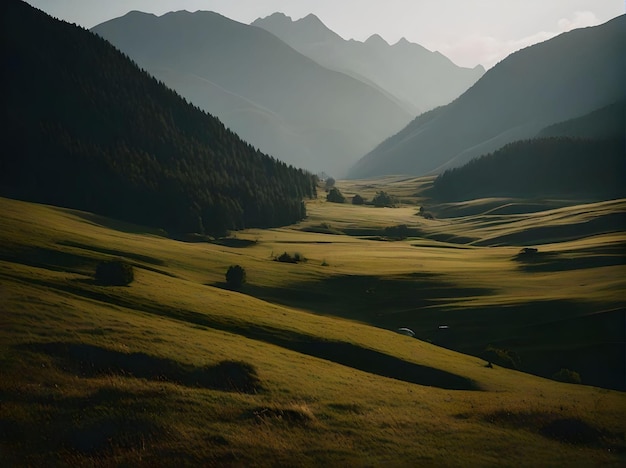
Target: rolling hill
[(274, 97), (176, 368), (417, 77), (86, 128), (557, 80)]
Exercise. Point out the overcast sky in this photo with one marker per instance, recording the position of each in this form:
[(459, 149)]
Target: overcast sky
[(469, 32)]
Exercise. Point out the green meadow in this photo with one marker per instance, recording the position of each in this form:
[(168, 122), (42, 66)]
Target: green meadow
[(302, 365)]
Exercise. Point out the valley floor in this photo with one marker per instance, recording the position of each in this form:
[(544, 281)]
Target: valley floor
[(302, 365)]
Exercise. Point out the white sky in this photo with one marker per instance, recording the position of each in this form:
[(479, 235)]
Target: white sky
[(469, 32)]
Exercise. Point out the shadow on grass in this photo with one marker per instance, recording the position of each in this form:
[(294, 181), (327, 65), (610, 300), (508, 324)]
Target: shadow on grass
[(116, 253), (366, 298), (90, 361), (611, 222), (554, 261), (117, 225), (51, 259), (568, 430), (378, 363), (234, 242), (108, 420)]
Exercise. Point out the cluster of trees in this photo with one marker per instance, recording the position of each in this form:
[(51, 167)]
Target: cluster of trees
[(85, 128), (381, 199), (585, 168)]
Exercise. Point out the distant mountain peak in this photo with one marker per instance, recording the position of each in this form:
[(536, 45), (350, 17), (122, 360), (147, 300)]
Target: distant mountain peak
[(311, 18), (375, 39), (278, 16), (307, 29), (139, 13), (402, 41)]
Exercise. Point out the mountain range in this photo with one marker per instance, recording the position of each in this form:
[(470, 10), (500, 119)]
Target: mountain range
[(276, 90), (555, 81), (416, 77), (272, 96)]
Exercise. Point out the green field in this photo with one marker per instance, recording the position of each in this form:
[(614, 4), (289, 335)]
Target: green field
[(302, 366)]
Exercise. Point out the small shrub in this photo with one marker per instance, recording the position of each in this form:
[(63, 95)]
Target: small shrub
[(567, 376), (358, 200), (286, 258), (502, 357), (335, 196), (401, 231), (114, 273), (330, 183), (235, 276), (382, 199)]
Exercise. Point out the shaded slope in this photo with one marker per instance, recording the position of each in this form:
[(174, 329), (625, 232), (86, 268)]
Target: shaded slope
[(328, 115), (565, 77), (416, 76), (607, 122), (85, 128), (565, 167)]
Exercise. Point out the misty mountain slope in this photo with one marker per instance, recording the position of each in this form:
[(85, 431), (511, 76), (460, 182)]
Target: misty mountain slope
[(416, 76), (85, 128), (563, 167), (607, 122), (253, 122), (566, 77), (324, 113)]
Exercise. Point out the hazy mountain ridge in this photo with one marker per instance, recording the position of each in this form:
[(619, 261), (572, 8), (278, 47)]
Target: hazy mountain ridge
[(416, 76), (323, 119), (99, 134), (607, 122), (563, 78)]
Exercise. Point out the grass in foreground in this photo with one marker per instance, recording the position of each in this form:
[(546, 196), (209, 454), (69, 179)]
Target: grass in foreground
[(120, 375)]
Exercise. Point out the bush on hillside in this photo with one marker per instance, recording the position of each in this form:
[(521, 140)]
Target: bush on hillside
[(567, 376), (114, 273), (235, 276), (382, 199), (358, 200), (335, 196), (286, 258), (502, 357), (400, 232)]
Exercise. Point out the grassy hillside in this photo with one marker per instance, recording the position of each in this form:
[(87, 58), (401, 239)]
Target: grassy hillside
[(176, 368)]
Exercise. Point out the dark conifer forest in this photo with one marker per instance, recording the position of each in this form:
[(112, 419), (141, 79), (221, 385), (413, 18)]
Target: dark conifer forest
[(85, 128), (592, 169)]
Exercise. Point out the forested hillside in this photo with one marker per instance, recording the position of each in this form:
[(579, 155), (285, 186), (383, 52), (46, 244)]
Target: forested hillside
[(85, 128), (567, 167), (607, 122)]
